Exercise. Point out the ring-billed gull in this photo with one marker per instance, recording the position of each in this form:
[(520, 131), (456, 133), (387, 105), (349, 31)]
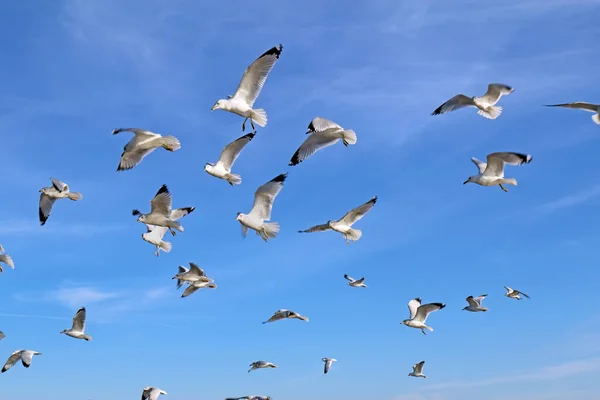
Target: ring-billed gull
[(152, 393), (344, 225), (77, 331), (6, 259), (261, 364), (194, 286), (492, 172), (285, 314), (160, 212), (486, 103), (475, 303), (513, 293), (194, 273), (24, 355), (249, 398), (143, 143), (249, 88), (222, 169), (580, 105), (419, 314), (323, 133), (328, 361), (418, 370), (58, 190), (155, 234), (261, 210), (355, 282)]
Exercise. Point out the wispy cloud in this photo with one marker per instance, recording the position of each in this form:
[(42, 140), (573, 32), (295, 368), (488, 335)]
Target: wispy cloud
[(29, 227), (570, 201)]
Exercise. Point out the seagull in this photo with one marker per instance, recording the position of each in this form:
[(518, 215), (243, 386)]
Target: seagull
[(344, 225), (155, 234), (261, 210), (143, 143), (328, 361), (249, 398), (58, 190), (324, 133), (195, 285), (285, 314), (261, 364), (486, 103), (514, 294), (595, 108), (222, 169), (419, 314), (492, 173), (2, 335), (24, 355), (475, 303), (78, 329), (354, 282), (6, 259), (160, 212), (152, 393), (195, 273), (418, 370), (249, 88)]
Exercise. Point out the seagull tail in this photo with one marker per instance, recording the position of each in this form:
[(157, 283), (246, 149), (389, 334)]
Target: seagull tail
[(75, 195), (259, 116), (176, 225), (596, 118), (354, 234), (234, 179), (349, 137), (271, 229), (171, 143), (165, 246), (510, 181), (491, 112)]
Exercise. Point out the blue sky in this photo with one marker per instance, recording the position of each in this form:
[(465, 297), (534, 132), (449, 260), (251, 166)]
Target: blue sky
[(74, 70)]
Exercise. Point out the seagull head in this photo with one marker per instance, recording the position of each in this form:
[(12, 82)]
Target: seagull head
[(330, 223), (469, 179), (63, 331), (404, 322), (465, 308), (218, 105), (141, 218), (239, 216)]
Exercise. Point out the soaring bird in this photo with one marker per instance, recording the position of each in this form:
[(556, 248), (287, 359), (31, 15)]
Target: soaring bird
[(24, 355), (355, 282), (285, 314), (475, 303), (160, 212), (486, 103), (492, 172), (77, 331), (513, 293), (418, 370), (143, 143), (328, 362), (58, 190), (152, 393), (419, 314), (222, 169), (155, 234), (260, 365), (580, 105)]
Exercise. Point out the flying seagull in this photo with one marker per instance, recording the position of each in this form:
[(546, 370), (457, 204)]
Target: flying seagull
[(154, 234), (328, 361), (249, 398), (58, 190), (344, 225), (261, 210), (285, 314), (196, 285), (419, 314), (24, 355), (580, 105), (514, 294), (486, 103), (160, 212), (143, 143), (323, 133), (2, 335), (222, 169), (6, 259), (475, 303), (249, 88), (418, 370), (193, 274), (77, 331), (261, 364), (355, 282), (152, 393), (492, 172)]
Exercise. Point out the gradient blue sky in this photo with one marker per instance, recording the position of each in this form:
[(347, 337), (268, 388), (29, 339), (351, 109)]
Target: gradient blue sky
[(74, 70)]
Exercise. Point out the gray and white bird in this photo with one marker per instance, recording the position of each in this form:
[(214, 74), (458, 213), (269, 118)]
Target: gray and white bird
[(2, 335), (285, 314), (418, 370), (143, 143), (475, 303), (580, 105), (261, 210), (355, 282), (260, 365), (250, 86), (6, 259), (486, 104), (419, 314), (344, 225), (24, 355), (222, 169), (77, 330), (152, 393), (193, 274), (194, 286), (155, 234), (249, 398), (323, 133), (513, 293), (328, 362), (160, 212), (492, 172), (58, 190)]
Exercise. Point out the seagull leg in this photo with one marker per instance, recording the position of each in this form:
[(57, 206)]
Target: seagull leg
[(172, 231), (503, 188), (423, 331), (252, 124), (263, 234), (244, 125)]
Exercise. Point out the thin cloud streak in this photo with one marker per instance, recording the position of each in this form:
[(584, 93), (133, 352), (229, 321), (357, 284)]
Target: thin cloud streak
[(570, 201)]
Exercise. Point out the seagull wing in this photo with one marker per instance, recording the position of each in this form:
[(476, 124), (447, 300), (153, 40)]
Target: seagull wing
[(316, 228), (351, 279), (418, 368), (189, 290), (312, 144), (154, 394), (135, 131), (196, 270), (522, 294), (45, 207), (413, 306), (79, 320), (472, 302), (279, 314), (161, 203), (479, 299), (496, 161), (327, 365), (265, 196), (231, 152), (361, 280), (426, 309), (458, 101), (181, 212), (2, 335), (132, 157), (255, 76), (60, 186), (26, 357), (355, 215), (494, 92), (146, 392), (480, 164), (12, 359), (156, 234), (320, 124), (580, 105), (5, 258)]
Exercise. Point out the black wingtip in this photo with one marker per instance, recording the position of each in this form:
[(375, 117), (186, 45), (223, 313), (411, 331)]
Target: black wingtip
[(135, 212), (163, 189), (276, 51), (374, 200), (440, 305), (437, 111), (189, 209), (280, 178), (250, 136)]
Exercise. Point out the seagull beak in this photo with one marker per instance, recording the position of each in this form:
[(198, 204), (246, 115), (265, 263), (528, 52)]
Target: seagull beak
[(213, 108), (465, 182)]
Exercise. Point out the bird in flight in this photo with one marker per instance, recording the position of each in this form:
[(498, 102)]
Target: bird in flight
[(222, 169), (580, 105), (486, 104), (419, 314), (58, 190), (77, 330), (492, 172), (143, 143)]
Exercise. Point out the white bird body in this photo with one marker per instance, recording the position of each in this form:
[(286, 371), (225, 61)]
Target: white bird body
[(475, 303), (261, 364), (285, 314), (77, 331), (58, 190), (193, 274), (222, 169), (419, 314), (485, 104), (160, 213), (155, 234), (418, 370), (355, 282), (143, 143), (6, 259), (492, 172), (328, 362), (24, 355), (580, 105), (152, 393), (194, 286), (513, 293)]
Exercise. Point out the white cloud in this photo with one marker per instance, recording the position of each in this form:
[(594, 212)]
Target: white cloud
[(571, 200), (81, 296)]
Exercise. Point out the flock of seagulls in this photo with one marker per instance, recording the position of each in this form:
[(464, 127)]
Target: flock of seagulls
[(162, 218)]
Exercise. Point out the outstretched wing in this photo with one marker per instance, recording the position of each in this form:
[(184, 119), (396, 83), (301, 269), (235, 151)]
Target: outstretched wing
[(79, 320), (426, 309), (495, 91), (496, 161), (12, 359), (196, 270), (316, 228), (472, 301), (60, 186), (231, 152), (320, 124), (580, 105), (45, 207), (181, 212), (479, 299), (161, 203), (355, 215), (418, 368), (132, 157), (265, 196), (458, 101), (351, 279), (413, 306), (480, 164), (311, 145)]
